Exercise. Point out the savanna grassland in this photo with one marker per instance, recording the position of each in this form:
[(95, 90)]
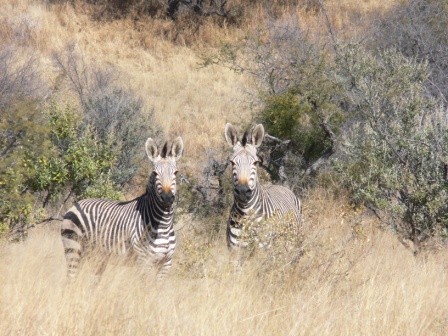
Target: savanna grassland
[(352, 275)]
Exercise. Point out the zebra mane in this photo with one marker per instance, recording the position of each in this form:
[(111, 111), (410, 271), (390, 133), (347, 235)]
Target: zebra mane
[(165, 150), (245, 139)]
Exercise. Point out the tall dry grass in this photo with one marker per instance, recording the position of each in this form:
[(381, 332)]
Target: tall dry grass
[(352, 280)]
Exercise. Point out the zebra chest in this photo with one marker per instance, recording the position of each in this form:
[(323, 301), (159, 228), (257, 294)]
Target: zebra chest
[(239, 218), (159, 244)]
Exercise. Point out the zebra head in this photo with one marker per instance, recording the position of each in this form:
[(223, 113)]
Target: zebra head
[(164, 172), (244, 160)]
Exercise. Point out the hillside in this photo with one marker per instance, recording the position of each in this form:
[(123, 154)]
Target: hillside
[(352, 277)]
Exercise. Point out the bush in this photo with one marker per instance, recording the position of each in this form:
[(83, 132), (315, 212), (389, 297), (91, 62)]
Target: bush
[(76, 161), (417, 29), (56, 159), (300, 94), (20, 78), (22, 128), (395, 146), (114, 113), (118, 117)]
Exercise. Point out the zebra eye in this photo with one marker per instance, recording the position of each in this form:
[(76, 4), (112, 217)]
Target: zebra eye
[(175, 173)]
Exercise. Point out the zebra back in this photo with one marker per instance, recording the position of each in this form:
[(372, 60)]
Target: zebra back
[(281, 201)]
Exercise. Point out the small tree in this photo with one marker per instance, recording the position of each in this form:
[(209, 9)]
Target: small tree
[(299, 93), (417, 29), (75, 163), (395, 143), (116, 114)]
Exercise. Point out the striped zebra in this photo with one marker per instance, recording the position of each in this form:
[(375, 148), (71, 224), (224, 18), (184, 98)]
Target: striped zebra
[(253, 201), (143, 226)]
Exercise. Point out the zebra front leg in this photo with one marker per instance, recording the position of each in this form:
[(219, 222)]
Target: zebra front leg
[(71, 240), (163, 268), (155, 267)]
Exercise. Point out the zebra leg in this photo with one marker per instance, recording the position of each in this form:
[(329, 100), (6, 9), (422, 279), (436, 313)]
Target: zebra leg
[(163, 269), (236, 259), (71, 239), (156, 268), (235, 245), (103, 262)]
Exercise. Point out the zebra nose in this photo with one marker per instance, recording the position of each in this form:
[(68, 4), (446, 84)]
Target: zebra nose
[(167, 197), (242, 190)]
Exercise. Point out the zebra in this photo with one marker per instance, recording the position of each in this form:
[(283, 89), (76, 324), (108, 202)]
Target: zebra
[(253, 202), (143, 226)]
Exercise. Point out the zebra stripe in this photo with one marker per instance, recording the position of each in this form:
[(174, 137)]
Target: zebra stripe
[(252, 201), (143, 226)]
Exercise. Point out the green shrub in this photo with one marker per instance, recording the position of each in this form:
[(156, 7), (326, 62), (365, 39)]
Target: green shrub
[(417, 29), (75, 160), (395, 147), (22, 129), (295, 117), (115, 114), (298, 88)]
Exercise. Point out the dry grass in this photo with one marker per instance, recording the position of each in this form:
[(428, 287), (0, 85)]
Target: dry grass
[(352, 280)]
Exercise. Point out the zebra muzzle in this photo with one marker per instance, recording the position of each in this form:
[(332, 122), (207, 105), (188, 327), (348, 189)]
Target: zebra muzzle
[(243, 192), (167, 197)]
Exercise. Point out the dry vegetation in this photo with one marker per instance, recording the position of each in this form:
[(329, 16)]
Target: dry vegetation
[(354, 278)]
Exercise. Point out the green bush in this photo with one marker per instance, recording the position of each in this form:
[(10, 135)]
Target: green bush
[(298, 87), (116, 114), (294, 116), (22, 129), (75, 160), (54, 157), (417, 29), (395, 147)]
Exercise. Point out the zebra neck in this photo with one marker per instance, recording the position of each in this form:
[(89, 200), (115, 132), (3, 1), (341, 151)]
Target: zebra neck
[(253, 204)]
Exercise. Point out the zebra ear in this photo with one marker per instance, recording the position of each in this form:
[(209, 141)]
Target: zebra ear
[(257, 135), (151, 150), (231, 134), (177, 148)]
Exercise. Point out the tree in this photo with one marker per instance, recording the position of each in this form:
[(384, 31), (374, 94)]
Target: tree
[(395, 143)]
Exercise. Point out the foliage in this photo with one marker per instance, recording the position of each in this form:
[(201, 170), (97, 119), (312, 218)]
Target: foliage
[(302, 99), (298, 88), (417, 29), (294, 116), (102, 187), (75, 161), (396, 142), (22, 128), (114, 113), (277, 242), (54, 158), (119, 119)]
